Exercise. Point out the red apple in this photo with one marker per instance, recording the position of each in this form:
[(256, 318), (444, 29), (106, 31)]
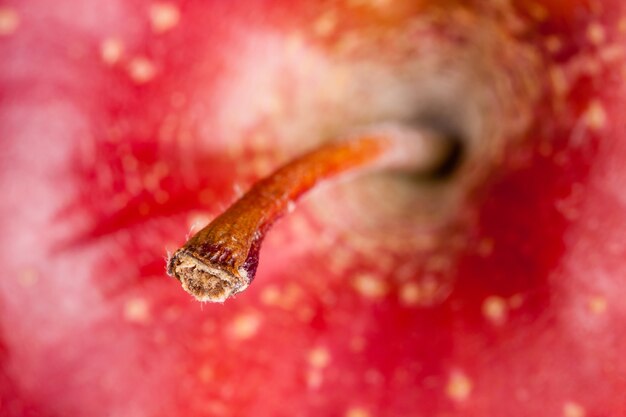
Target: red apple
[(494, 291)]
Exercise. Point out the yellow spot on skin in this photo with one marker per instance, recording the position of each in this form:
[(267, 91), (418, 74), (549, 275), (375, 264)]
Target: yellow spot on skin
[(495, 309), (595, 116), (270, 295), (357, 412), (572, 409), (596, 33), (141, 70), (164, 17), (370, 286), (369, 3), (245, 326), (111, 51), (410, 294), (319, 357), (325, 24), (28, 277), (597, 305), (137, 310), (205, 373), (459, 387), (621, 25), (9, 21)]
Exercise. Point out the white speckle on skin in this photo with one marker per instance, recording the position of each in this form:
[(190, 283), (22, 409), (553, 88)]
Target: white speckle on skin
[(9, 21), (597, 305), (495, 309), (459, 387), (141, 70), (572, 409), (596, 33), (357, 412), (245, 326), (163, 17), (270, 295), (111, 51), (319, 357), (410, 294), (370, 286), (595, 116), (325, 24), (137, 310), (369, 3)]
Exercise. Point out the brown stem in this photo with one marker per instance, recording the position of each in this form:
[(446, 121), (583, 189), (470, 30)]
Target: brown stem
[(221, 259)]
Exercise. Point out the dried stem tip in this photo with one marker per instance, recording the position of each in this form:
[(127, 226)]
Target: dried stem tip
[(221, 259)]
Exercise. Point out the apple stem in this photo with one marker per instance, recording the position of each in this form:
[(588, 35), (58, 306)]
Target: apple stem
[(221, 259)]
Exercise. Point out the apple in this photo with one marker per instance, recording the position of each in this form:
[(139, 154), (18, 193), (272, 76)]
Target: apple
[(495, 288)]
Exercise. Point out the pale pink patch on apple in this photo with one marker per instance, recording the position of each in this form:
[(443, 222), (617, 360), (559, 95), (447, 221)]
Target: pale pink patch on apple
[(572, 409), (370, 286), (245, 325), (319, 357), (459, 386), (495, 309), (357, 412), (596, 34), (325, 24), (597, 304), (137, 310), (595, 115), (164, 16), (410, 294), (9, 21), (142, 70), (111, 50)]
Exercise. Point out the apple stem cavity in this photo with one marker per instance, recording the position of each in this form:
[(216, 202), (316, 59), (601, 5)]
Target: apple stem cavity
[(221, 259)]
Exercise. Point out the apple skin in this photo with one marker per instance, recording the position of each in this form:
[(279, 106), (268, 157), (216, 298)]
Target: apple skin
[(124, 123)]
